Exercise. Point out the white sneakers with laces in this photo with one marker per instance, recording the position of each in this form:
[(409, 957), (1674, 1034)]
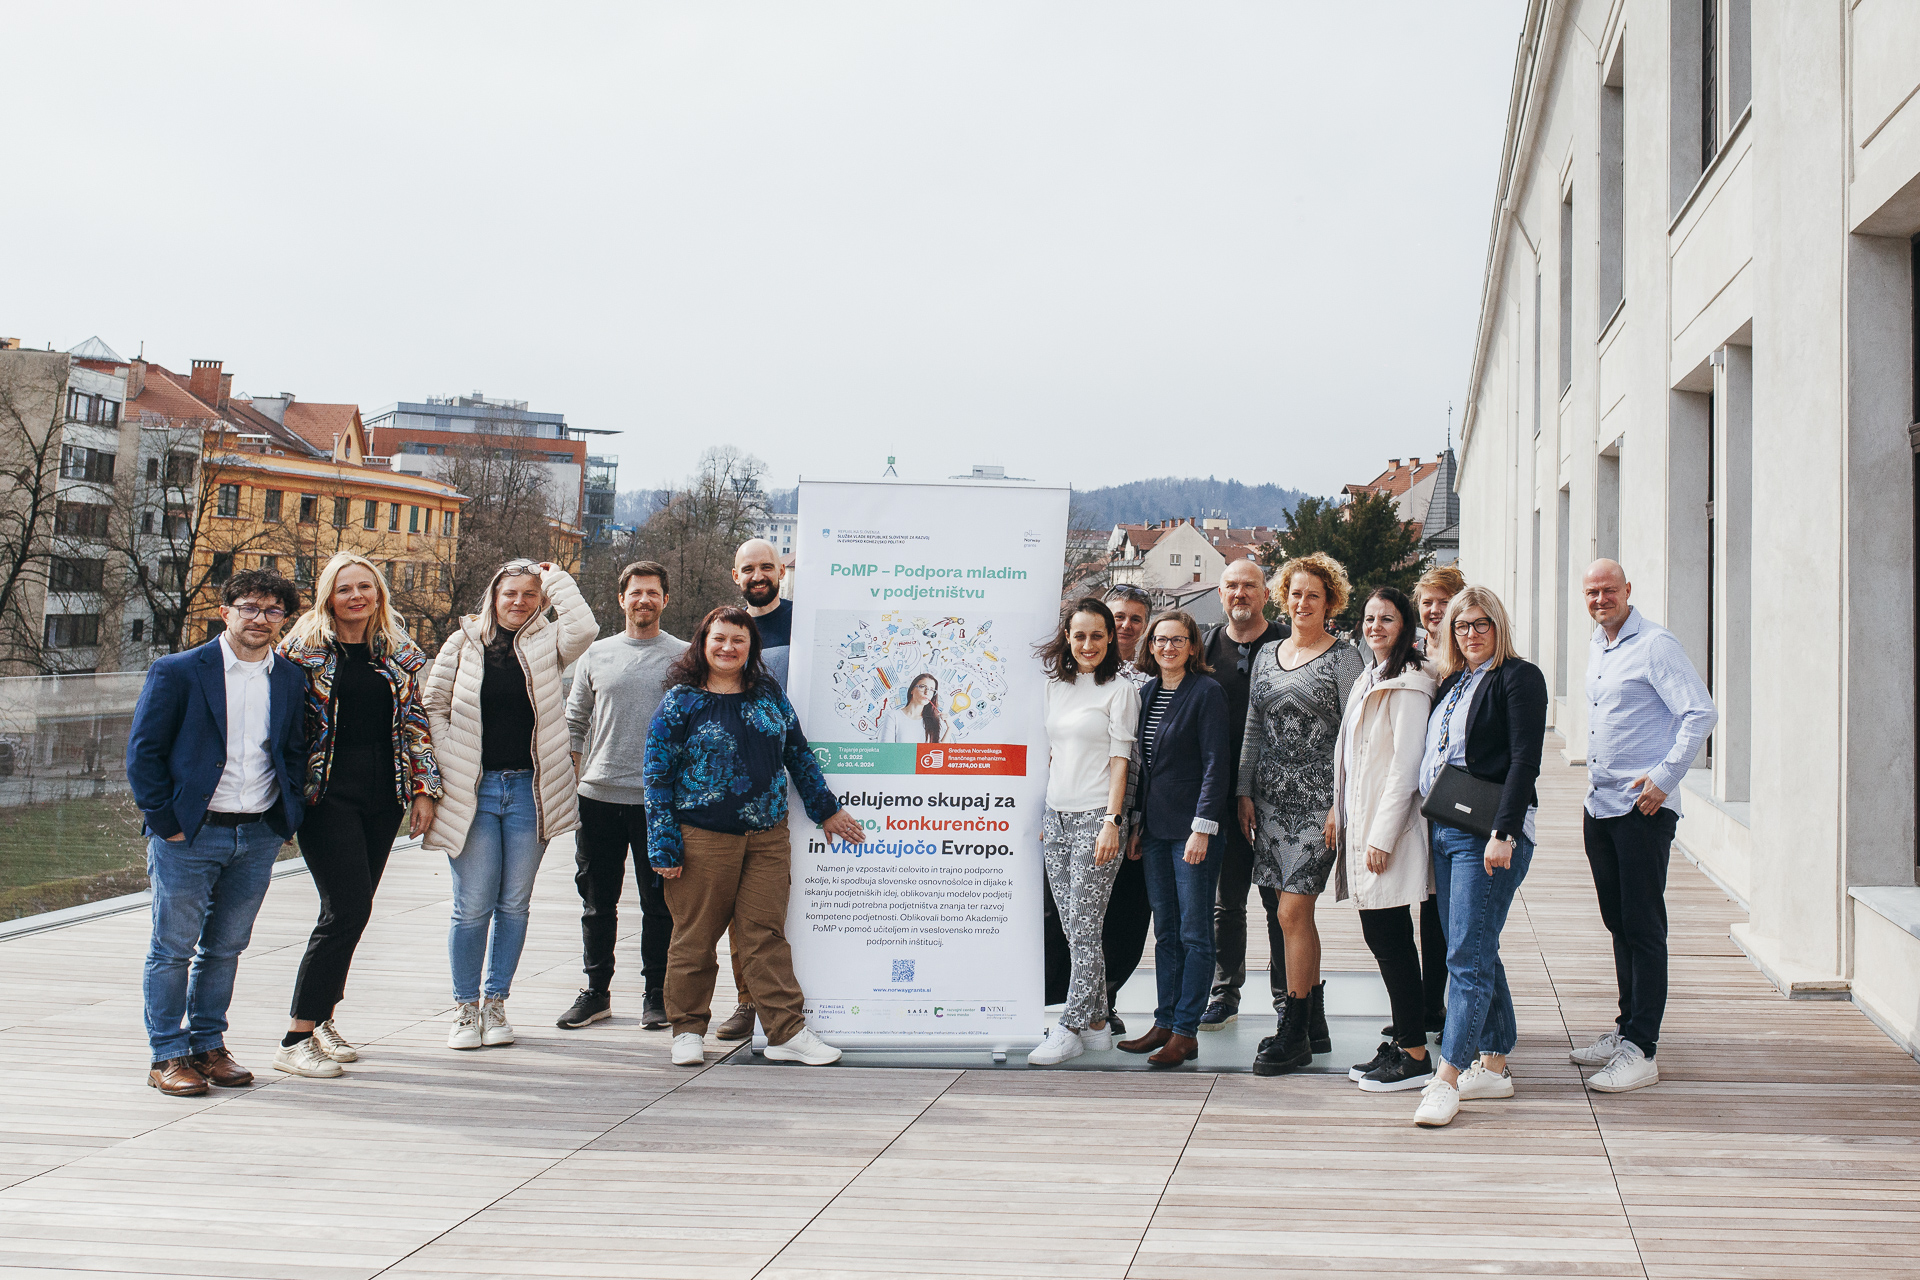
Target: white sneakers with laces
[(1599, 1053), (689, 1049), (494, 1027), (1629, 1069), (466, 1026), (333, 1044), (1062, 1043), (805, 1048), (1439, 1104), (1478, 1084), (1096, 1041), (305, 1059)]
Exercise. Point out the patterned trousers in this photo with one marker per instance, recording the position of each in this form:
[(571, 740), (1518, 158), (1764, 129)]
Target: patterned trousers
[(1080, 890)]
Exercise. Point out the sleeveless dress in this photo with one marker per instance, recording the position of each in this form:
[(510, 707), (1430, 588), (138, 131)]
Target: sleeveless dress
[(1286, 764)]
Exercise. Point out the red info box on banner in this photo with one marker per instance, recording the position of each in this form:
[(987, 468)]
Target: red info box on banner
[(974, 759)]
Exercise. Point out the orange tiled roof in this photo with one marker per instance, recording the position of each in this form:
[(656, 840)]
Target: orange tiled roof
[(166, 394), (1397, 478), (319, 424)]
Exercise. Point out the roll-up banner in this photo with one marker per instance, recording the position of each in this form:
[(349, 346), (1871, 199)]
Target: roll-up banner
[(916, 608)]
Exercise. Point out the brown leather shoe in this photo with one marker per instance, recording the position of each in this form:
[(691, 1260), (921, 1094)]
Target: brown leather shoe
[(218, 1066), (737, 1027), (177, 1077), (1177, 1052), (1147, 1043)]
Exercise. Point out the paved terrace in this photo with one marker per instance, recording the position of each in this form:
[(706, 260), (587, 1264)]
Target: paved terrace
[(1782, 1141)]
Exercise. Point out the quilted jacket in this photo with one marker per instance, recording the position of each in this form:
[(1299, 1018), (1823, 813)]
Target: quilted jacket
[(546, 647), (415, 773)]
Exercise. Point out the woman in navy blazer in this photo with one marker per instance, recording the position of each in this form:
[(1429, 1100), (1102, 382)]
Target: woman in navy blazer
[(1182, 799)]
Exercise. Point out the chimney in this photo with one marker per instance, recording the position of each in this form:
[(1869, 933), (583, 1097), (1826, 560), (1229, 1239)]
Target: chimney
[(1413, 462), (204, 382), (136, 379), (226, 390), (9, 344), (1393, 464)]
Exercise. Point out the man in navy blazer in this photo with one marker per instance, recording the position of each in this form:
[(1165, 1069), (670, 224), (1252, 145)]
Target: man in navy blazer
[(216, 756)]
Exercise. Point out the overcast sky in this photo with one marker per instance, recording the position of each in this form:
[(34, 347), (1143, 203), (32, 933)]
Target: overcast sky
[(1089, 242)]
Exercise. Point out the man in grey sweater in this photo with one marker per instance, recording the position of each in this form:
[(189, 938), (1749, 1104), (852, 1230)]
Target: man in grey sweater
[(617, 686)]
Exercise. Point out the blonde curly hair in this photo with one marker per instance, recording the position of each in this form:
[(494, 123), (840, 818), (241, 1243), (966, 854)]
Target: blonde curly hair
[(1332, 575)]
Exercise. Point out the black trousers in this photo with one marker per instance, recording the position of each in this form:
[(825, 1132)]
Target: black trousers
[(1433, 960), (607, 833), (1230, 921), (1629, 857), (1389, 935), (345, 839)]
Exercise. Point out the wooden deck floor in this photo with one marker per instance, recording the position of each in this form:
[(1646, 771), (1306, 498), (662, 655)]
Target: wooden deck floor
[(1783, 1141)]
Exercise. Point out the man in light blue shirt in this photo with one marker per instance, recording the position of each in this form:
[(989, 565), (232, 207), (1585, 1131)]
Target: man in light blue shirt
[(1648, 716)]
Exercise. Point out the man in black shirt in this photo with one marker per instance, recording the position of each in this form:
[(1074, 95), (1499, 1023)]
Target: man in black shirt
[(1231, 648), (758, 571)]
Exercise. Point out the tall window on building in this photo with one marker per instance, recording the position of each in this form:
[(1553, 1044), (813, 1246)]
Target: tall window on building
[(1562, 588), (309, 508), (1613, 200), (1566, 294), (180, 468), (272, 505), (1709, 81), (446, 524), (371, 516), (227, 501), (413, 519), (1538, 370), (222, 567), (303, 571), (393, 517), (342, 511)]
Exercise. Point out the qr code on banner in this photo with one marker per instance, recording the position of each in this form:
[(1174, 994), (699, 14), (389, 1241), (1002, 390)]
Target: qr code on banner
[(903, 971)]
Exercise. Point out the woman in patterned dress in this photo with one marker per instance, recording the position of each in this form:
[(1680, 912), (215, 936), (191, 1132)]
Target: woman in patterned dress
[(1297, 693)]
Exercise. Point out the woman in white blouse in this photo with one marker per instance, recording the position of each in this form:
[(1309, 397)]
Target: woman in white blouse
[(921, 719), (1092, 715)]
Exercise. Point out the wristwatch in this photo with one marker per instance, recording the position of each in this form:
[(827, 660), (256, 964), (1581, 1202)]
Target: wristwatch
[(1501, 836), (1114, 818)]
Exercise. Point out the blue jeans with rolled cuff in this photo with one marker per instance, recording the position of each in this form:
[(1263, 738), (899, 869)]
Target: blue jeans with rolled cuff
[(493, 885), (206, 893), (1182, 895), (1480, 1015)]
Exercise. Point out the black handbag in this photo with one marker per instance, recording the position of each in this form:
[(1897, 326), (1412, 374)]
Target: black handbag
[(1461, 800)]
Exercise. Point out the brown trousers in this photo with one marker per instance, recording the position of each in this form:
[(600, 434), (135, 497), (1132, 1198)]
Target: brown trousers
[(739, 882)]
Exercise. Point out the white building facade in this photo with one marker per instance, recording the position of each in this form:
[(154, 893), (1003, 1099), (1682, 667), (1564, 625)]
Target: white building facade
[(1697, 355)]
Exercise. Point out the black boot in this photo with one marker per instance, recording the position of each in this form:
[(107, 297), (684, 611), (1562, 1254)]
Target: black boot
[(1287, 1049), (1317, 1033)]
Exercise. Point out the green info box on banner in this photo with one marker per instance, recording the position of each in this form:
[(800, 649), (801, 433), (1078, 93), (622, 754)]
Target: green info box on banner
[(980, 759)]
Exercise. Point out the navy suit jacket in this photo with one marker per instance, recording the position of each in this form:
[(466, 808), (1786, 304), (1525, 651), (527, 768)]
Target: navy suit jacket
[(1190, 776), (177, 749)]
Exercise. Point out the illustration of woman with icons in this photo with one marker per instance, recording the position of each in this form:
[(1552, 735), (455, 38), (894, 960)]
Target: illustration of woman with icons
[(921, 719)]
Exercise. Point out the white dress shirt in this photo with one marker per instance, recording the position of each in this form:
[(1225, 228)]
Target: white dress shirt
[(247, 784)]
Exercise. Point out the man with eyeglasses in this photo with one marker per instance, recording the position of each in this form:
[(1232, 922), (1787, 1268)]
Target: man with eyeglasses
[(216, 758), (1231, 648)]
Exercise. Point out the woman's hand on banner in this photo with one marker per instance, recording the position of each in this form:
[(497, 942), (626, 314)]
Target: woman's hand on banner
[(846, 827)]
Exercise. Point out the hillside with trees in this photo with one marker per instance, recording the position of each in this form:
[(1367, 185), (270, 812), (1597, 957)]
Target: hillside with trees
[(1144, 501)]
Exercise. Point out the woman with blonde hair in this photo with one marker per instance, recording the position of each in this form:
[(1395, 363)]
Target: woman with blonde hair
[(369, 760), (1489, 721), (499, 718), (1296, 693)]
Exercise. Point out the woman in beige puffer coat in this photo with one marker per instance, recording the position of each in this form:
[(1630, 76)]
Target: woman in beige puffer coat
[(498, 712)]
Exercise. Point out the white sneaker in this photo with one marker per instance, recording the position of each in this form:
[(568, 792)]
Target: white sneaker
[(494, 1027), (466, 1027), (1478, 1084), (1439, 1104), (805, 1047), (1599, 1053), (1062, 1043), (1096, 1041), (1630, 1069), (305, 1059), (689, 1049), (333, 1044)]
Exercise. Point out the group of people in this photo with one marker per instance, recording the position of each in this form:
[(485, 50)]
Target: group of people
[(1186, 766), (1403, 770)]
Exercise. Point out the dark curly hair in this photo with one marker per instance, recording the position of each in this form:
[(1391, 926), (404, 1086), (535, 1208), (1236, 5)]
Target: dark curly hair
[(691, 668), (1056, 654), (261, 582)]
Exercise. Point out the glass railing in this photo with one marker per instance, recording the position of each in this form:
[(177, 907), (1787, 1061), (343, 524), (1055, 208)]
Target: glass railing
[(69, 831)]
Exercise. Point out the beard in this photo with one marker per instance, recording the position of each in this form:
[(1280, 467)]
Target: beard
[(1242, 613), (760, 591)]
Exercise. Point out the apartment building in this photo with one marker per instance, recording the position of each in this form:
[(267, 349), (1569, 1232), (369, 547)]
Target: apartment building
[(1696, 354)]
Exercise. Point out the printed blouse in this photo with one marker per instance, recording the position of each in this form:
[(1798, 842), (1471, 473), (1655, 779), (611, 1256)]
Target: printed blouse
[(720, 761)]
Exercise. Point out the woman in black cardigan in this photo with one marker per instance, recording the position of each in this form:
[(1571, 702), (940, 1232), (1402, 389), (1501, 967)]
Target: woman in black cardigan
[(1181, 801), (1489, 718)]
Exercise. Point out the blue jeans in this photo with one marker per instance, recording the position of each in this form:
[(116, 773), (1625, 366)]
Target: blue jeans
[(206, 892), (493, 884), (1479, 1005), (1182, 898)]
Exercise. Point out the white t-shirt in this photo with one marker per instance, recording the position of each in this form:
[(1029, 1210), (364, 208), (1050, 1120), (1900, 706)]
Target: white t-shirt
[(1088, 724)]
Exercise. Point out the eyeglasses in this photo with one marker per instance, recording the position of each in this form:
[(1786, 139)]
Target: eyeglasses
[(252, 611), (1477, 626), (517, 568), (1169, 642)]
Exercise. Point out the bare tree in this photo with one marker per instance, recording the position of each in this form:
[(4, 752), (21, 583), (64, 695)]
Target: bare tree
[(694, 531), (33, 388)]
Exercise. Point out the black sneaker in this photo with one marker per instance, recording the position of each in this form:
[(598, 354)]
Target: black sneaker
[(1381, 1057), (1404, 1071), (1219, 1013), (653, 1011), (590, 1007)]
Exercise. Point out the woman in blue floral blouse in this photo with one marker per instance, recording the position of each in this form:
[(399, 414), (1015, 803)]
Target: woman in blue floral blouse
[(718, 755)]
